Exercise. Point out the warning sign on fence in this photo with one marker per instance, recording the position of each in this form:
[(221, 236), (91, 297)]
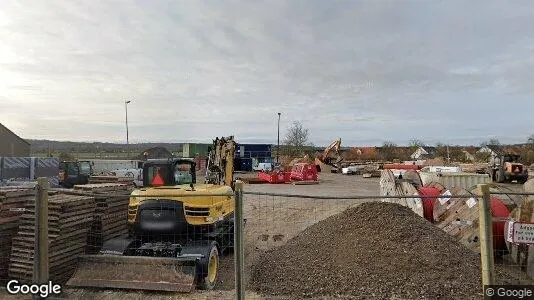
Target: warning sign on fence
[(520, 233)]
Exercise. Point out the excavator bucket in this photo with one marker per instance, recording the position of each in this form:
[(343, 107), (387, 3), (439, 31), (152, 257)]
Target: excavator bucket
[(135, 272)]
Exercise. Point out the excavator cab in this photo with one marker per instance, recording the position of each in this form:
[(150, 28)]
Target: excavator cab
[(177, 230), (169, 172)]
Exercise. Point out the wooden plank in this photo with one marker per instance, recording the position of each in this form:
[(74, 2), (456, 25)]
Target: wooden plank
[(14, 192), (443, 210)]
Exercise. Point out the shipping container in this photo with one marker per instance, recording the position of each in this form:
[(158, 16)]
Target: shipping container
[(450, 180), (443, 169), (191, 150), (243, 164), (253, 150)]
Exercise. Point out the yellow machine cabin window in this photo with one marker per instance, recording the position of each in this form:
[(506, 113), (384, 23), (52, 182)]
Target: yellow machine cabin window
[(182, 174)]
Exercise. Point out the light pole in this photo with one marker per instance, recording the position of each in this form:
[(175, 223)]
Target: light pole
[(278, 145), (127, 140)]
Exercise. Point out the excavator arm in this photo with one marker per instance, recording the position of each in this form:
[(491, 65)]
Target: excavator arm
[(330, 155), (220, 168)]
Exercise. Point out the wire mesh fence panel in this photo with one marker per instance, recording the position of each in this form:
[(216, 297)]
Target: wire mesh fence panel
[(514, 231), (406, 240), (161, 239), (109, 237)]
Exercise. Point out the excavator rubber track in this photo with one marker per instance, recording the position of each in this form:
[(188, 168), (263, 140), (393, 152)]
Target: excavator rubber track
[(136, 272)]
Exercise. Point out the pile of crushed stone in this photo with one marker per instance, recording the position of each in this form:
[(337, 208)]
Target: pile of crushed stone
[(373, 251)]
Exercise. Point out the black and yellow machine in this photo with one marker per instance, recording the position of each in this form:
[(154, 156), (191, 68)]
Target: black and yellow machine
[(178, 229)]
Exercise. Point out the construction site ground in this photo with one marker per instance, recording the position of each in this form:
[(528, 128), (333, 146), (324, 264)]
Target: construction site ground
[(270, 222)]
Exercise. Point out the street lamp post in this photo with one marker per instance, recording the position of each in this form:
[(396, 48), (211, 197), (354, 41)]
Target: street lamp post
[(127, 139), (278, 145)]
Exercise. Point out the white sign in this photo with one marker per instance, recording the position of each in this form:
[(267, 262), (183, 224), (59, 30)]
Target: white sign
[(444, 200), (471, 202), (520, 233)]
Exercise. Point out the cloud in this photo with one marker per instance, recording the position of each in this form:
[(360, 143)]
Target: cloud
[(365, 71)]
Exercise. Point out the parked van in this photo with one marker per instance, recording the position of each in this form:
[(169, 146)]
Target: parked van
[(265, 167)]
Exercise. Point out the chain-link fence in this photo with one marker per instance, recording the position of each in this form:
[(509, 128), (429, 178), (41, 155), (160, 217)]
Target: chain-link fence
[(268, 241)]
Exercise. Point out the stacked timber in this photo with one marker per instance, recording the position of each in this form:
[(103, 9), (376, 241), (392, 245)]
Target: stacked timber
[(111, 213), (69, 220), (95, 179), (111, 219), (12, 204), (102, 187)]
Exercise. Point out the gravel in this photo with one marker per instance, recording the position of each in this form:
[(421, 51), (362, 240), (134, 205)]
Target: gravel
[(373, 251)]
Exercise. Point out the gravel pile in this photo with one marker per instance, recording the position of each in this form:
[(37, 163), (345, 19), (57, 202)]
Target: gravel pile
[(372, 251)]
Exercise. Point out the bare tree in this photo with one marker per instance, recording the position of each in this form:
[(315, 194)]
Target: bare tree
[(441, 150), (387, 151), (491, 142), (296, 138), (482, 156), (530, 139), (63, 156), (415, 143)]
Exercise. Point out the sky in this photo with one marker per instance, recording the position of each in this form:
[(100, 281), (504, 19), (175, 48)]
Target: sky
[(458, 72)]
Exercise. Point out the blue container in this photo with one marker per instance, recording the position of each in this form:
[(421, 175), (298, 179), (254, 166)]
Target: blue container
[(254, 150), (243, 164)]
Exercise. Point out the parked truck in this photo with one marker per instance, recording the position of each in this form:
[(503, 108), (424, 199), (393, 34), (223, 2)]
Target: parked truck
[(507, 168), (74, 172)]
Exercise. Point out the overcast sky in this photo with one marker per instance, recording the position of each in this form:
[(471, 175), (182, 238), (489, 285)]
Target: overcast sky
[(364, 71)]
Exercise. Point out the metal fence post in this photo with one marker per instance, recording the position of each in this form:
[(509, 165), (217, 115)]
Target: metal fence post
[(486, 237), (239, 242), (40, 262)]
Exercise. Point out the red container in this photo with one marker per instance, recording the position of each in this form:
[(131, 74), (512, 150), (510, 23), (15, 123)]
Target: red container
[(428, 203), (274, 177), (304, 172), (287, 176), (499, 210), (264, 176), (402, 167)]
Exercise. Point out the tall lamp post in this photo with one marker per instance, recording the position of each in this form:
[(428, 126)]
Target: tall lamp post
[(278, 145), (127, 139)]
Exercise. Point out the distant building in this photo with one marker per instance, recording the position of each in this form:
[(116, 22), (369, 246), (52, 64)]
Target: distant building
[(424, 152), (12, 145), (193, 149), (366, 153), (494, 153), (469, 153)]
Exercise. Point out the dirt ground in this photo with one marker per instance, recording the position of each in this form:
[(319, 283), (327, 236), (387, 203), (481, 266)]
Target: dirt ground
[(270, 222)]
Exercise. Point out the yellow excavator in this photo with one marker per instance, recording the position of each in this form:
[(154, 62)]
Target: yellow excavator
[(177, 229)]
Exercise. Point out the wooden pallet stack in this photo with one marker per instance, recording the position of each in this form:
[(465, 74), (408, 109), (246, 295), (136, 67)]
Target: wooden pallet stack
[(111, 219), (96, 179), (12, 204), (111, 214), (69, 220), (102, 187)]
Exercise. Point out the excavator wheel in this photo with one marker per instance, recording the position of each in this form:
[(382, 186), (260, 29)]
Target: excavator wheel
[(208, 280)]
